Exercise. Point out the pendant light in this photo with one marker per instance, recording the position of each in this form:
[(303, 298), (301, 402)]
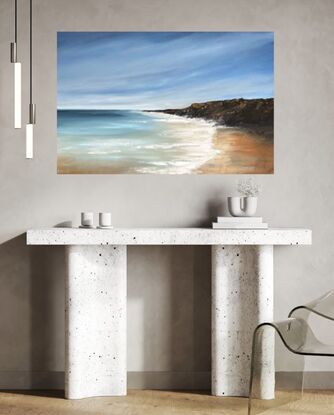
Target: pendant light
[(17, 75), (32, 107)]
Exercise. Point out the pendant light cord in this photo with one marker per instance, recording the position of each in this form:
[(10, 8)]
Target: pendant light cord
[(15, 35), (30, 51)]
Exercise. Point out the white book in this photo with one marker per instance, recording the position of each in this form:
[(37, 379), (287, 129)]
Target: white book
[(260, 225), (239, 219)]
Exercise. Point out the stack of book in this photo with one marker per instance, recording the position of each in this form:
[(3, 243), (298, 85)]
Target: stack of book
[(232, 222)]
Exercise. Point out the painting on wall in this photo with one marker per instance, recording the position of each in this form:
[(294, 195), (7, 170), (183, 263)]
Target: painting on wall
[(165, 102)]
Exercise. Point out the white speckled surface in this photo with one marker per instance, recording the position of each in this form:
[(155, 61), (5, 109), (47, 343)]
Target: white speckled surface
[(242, 297), (168, 236), (95, 321)]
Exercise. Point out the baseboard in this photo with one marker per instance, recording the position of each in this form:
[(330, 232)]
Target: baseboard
[(31, 380), (136, 380), (312, 380), (11, 380), (170, 380)]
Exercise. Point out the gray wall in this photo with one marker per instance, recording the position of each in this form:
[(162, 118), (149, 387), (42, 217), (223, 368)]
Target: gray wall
[(169, 287)]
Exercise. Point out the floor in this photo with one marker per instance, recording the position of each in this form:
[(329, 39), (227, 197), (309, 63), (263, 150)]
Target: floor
[(148, 402)]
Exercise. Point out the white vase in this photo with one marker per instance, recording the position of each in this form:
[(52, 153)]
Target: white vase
[(242, 206)]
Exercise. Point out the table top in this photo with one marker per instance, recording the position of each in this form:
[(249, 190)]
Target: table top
[(169, 236)]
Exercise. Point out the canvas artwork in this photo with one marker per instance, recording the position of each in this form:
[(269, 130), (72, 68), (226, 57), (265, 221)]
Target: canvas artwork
[(165, 102)]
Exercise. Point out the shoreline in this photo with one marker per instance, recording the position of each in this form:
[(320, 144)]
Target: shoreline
[(226, 150), (238, 153), (192, 145), (241, 150)]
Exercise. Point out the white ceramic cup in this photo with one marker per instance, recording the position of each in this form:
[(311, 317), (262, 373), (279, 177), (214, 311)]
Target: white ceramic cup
[(104, 219), (87, 218)]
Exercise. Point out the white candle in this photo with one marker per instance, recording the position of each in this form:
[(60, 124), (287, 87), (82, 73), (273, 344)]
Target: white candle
[(87, 218), (104, 219)]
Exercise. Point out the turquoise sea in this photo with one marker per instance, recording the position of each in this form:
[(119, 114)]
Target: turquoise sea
[(120, 141)]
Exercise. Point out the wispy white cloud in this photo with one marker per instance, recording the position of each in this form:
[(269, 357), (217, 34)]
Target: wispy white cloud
[(154, 70)]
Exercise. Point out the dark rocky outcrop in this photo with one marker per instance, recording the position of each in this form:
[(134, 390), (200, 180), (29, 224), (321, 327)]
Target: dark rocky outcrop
[(256, 115)]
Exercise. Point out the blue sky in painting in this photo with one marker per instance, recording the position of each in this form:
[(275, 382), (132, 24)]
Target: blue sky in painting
[(152, 70)]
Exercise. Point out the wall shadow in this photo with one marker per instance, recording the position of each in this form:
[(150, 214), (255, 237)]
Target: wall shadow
[(14, 304), (214, 207), (170, 287), (190, 296), (32, 312), (47, 279)]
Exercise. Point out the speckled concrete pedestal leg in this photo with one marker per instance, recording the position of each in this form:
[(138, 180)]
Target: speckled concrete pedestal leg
[(242, 297), (95, 321)]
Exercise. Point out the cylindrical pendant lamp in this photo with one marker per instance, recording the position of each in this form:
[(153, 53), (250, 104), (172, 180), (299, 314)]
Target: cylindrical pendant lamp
[(17, 75), (32, 107)]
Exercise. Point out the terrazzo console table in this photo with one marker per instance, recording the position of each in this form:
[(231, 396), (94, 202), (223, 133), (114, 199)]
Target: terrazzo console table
[(242, 297)]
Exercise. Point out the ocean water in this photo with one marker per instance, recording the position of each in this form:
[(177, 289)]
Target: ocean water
[(133, 141)]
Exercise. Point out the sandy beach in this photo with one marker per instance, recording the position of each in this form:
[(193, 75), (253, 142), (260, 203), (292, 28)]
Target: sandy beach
[(240, 152), (72, 165)]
